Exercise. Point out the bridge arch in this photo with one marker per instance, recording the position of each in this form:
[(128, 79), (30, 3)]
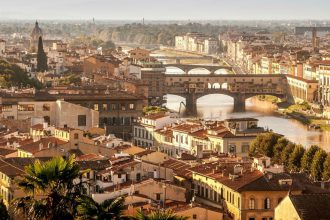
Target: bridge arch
[(221, 71), (174, 70), (199, 70), (216, 86), (224, 86)]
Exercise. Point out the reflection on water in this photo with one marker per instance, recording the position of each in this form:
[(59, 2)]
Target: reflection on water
[(221, 107)]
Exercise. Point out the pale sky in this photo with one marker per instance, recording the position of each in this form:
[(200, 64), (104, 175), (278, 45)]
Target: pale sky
[(165, 9)]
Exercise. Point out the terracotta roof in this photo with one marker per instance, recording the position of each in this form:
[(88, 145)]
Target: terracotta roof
[(185, 156), (312, 206), (188, 128), (201, 134), (10, 170), (179, 168), (39, 127), (89, 157), (143, 153), (41, 144), (5, 151)]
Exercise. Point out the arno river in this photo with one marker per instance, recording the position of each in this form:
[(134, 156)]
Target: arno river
[(221, 107)]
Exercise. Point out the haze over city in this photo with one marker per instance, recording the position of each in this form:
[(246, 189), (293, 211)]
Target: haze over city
[(165, 10), (164, 109)]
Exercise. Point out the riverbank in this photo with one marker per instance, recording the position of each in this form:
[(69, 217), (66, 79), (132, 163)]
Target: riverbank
[(304, 114)]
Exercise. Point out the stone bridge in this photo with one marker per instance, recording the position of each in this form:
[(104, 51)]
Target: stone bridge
[(240, 87), (188, 67)]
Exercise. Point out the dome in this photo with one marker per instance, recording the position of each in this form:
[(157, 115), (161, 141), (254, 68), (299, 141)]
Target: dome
[(37, 32)]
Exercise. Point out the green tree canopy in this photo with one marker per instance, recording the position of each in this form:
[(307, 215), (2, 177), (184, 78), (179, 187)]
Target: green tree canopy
[(264, 144), (306, 161), (278, 148), (285, 155), (326, 169), (158, 215), (13, 75), (109, 209), (317, 164), (3, 211), (54, 180), (295, 158)]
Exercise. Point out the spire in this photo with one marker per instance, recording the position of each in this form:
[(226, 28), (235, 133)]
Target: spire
[(37, 23)]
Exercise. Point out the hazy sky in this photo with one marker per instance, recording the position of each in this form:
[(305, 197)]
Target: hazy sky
[(164, 9)]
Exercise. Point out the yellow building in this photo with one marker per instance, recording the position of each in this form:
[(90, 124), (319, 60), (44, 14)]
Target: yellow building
[(303, 89), (139, 54), (243, 192)]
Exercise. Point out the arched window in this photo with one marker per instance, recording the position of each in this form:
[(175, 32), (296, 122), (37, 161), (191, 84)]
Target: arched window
[(251, 203), (267, 203)]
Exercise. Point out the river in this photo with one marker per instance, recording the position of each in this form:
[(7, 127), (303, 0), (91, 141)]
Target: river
[(220, 107)]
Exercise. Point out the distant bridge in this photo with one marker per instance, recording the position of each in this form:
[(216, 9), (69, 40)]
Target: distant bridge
[(240, 87), (188, 67)]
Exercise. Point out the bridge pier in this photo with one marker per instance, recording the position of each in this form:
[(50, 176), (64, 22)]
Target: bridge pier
[(239, 103), (191, 104)]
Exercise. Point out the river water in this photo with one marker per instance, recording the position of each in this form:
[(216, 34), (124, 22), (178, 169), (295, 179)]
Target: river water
[(220, 107)]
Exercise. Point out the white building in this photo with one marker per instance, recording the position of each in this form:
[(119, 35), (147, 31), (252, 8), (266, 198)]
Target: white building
[(58, 113), (197, 42), (144, 129)]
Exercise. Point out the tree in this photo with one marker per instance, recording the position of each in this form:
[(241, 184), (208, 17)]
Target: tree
[(306, 161), (41, 57), (326, 169), (264, 144), (285, 155), (278, 148), (3, 211), (158, 215), (295, 158), (109, 209), (54, 180), (13, 75), (317, 164)]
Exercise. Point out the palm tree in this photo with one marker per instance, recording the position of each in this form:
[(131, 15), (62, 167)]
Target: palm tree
[(158, 215), (109, 209), (3, 211), (51, 191)]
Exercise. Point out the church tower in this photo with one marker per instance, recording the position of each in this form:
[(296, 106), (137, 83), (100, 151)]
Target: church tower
[(36, 33)]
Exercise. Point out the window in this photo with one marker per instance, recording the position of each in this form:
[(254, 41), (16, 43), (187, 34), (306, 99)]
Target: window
[(251, 203), (131, 106), (76, 136), (96, 107), (123, 107), (157, 196), (81, 120), (104, 107), (47, 119), (119, 175), (194, 216), (25, 107), (46, 107), (267, 203)]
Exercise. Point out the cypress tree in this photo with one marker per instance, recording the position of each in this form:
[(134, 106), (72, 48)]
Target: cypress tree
[(41, 57)]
